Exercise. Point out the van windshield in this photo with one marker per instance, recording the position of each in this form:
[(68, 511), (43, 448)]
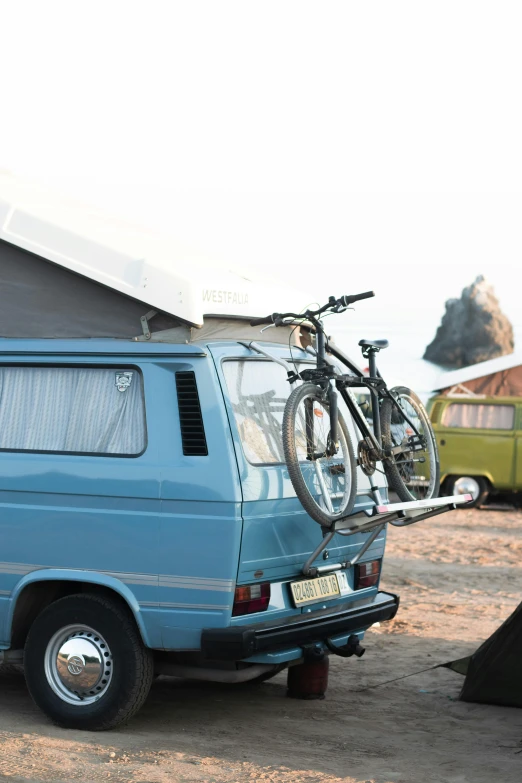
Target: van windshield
[(258, 391)]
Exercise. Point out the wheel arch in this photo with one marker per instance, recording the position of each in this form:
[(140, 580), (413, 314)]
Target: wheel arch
[(37, 590)]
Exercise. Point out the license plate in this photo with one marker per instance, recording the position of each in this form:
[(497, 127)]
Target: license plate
[(312, 591)]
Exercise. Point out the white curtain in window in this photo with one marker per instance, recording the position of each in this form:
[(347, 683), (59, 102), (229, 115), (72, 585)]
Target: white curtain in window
[(482, 417), (71, 409)]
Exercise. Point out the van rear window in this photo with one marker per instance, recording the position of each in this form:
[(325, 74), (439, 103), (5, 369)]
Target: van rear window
[(258, 392), (74, 410), (480, 417)]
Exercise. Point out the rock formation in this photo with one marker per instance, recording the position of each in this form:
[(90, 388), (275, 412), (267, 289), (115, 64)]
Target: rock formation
[(473, 329)]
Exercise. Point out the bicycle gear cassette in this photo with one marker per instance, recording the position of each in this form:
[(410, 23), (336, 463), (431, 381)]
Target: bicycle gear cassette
[(367, 461)]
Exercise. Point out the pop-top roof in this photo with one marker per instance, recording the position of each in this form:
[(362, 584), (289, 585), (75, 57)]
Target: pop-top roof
[(158, 272)]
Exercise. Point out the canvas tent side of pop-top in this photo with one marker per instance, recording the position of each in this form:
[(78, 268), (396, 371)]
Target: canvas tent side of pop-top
[(80, 273)]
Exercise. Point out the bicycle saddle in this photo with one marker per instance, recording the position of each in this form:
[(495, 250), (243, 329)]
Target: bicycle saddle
[(378, 345)]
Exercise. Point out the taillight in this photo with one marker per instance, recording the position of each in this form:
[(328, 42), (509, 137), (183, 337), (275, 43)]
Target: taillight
[(251, 598), (367, 574)]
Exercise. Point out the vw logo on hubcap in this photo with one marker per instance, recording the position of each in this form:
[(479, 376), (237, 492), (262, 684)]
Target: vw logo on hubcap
[(75, 664)]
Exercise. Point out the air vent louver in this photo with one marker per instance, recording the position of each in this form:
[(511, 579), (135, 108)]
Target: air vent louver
[(193, 437)]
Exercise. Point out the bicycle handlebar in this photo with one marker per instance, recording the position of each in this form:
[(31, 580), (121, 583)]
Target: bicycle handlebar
[(267, 319), (350, 299), (333, 303)]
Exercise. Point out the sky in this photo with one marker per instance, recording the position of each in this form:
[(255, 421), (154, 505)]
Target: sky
[(346, 145)]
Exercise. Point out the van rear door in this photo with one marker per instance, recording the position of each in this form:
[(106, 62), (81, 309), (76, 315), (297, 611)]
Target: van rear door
[(278, 535)]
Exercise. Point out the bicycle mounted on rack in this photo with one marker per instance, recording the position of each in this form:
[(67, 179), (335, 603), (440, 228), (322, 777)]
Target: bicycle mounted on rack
[(318, 446), (320, 398)]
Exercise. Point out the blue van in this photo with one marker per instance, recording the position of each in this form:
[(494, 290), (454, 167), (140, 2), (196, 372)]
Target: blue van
[(148, 524), (147, 520)]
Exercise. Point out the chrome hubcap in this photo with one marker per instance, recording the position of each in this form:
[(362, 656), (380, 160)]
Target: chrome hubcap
[(78, 664), (466, 485)]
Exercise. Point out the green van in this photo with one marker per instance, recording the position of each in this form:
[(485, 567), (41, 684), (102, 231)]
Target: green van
[(480, 444)]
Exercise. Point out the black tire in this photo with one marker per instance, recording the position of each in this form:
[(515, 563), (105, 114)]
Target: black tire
[(452, 488), (397, 472), (131, 672), (326, 519)]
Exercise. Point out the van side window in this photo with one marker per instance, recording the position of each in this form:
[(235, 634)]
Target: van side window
[(481, 417), (72, 410)]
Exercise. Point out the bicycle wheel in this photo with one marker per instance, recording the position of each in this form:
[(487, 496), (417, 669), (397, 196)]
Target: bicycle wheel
[(325, 485), (414, 474)]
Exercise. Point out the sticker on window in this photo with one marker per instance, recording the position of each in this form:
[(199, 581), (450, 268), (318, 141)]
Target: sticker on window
[(123, 380)]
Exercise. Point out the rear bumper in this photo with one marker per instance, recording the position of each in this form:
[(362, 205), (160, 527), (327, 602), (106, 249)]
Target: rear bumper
[(238, 642)]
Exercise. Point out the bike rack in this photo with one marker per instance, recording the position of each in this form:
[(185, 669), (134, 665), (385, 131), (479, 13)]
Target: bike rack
[(397, 514)]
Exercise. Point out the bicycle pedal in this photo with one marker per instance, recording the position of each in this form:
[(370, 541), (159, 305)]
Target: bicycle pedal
[(337, 470)]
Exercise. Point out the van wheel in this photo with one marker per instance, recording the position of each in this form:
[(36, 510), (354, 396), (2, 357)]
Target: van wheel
[(475, 486), (85, 664)]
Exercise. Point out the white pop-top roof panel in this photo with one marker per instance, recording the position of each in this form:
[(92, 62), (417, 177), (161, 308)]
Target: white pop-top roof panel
[(159, 272), (454, 377)]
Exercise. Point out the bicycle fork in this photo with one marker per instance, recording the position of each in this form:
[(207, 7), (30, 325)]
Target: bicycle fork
[(332, 445)]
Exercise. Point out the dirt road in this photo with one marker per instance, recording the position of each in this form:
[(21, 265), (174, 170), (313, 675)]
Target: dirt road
[(459, 576)]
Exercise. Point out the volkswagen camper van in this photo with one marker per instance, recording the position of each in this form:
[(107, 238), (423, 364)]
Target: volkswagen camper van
[(147, 520), (480, 443)]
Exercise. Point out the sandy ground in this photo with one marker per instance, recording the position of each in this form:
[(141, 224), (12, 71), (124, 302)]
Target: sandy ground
[(459, 576)]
